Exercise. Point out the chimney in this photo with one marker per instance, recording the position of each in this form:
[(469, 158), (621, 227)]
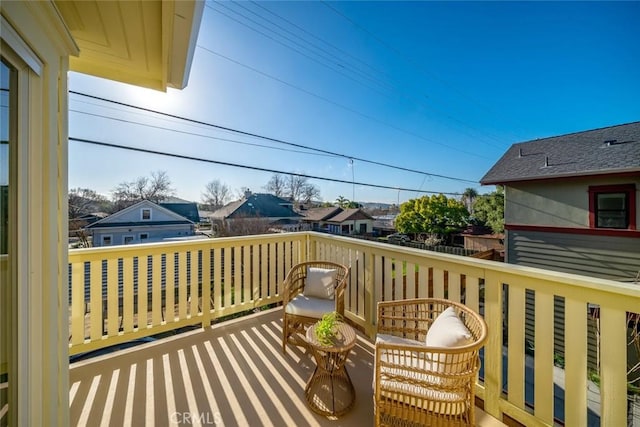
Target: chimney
[(519, 152), (247, 193), (546, 161)]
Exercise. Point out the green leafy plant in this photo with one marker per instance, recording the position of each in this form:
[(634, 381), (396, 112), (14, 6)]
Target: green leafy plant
[(326, 328)]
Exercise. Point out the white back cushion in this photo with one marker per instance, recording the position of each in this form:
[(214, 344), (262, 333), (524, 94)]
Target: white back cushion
[(320, 283), (447, 330)]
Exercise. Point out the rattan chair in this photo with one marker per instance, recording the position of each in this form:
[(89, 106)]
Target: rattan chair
[(420, 385), (300, 310)]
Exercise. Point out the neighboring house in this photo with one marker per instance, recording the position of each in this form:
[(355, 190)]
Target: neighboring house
[(41, 41), (76, 224), (317, 217), (337, 220), (143, 222), (572, 203), (263, 208), (383, 225), (188, 210), (90, 218)]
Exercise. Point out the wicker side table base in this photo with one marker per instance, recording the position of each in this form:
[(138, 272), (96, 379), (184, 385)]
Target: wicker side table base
[(329, 391)]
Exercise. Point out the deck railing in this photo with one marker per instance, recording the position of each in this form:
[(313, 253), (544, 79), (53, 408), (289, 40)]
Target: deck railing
[(245, 273)]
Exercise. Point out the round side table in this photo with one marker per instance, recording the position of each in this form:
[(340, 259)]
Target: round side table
[(329, 391)]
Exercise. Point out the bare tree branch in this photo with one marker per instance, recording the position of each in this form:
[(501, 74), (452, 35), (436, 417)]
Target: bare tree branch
[(215, 194)]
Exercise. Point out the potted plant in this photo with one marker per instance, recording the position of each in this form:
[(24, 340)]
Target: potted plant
[(326, 328)]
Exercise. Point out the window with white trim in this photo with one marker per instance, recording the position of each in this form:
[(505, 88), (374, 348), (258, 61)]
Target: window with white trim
[(145, 214)]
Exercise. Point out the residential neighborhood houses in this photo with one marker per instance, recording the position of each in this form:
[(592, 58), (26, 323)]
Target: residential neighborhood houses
[(570, 204), (559, 339), (254, 213)]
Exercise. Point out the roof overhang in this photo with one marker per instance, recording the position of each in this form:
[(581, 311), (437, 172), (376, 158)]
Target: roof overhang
[(147, 43), (581, 175)]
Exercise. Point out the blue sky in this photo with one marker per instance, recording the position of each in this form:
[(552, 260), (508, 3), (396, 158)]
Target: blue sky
[(439, 87)]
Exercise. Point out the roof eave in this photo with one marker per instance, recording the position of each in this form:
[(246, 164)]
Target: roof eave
[(607, 172)]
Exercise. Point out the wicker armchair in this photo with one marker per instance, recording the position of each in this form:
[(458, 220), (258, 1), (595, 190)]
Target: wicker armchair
[(301, 310), (418, 384)]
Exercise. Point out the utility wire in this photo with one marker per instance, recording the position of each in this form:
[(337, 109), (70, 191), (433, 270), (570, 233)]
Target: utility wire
[(407, 58), (319, 38), (279, 141), (331, 59), (393, 86), (344, 107), (255, 168), (235, 141)]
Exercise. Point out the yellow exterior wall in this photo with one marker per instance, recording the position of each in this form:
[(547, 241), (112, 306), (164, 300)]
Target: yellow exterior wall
[(40, 367)]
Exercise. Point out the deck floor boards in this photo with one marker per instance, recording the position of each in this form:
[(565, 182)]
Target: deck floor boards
[(232, 374)]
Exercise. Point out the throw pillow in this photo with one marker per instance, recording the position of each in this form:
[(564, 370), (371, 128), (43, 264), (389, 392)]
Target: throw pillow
[(447, 330), (320, 283)]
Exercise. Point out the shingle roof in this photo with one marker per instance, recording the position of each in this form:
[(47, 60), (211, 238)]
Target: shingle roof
[(137, 224), (350, 214), (112, 220), (257, 205), (614, 149), (322, 214), (188, 210)]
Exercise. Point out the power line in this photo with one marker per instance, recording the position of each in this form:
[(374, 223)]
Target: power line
[(255, 168), (393, 86), (344, 107), (235, 141), (407, 58), (324, 57), (318, 38), (279, 141)]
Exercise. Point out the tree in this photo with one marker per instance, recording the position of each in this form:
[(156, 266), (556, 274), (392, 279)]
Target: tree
[(469, 197), (437, 215), (309, 192), (215, 194), (345, 203), (277, 185), (155, 188), (83, 201), (242, 227), (295, 187), (342, 201), (489, 209)]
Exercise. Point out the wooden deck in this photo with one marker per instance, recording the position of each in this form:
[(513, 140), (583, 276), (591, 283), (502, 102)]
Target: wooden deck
[(232, 374)]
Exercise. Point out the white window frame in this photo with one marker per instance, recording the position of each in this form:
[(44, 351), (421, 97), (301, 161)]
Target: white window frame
[(105, 236), (142, 211)]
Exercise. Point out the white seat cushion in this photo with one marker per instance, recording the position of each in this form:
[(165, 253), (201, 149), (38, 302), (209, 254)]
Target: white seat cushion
[(303, 305), (430, 399), (413, 378)]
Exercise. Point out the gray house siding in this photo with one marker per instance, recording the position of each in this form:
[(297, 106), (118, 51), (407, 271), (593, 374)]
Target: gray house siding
[(144, 222), (615, 258), (155, 233)]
